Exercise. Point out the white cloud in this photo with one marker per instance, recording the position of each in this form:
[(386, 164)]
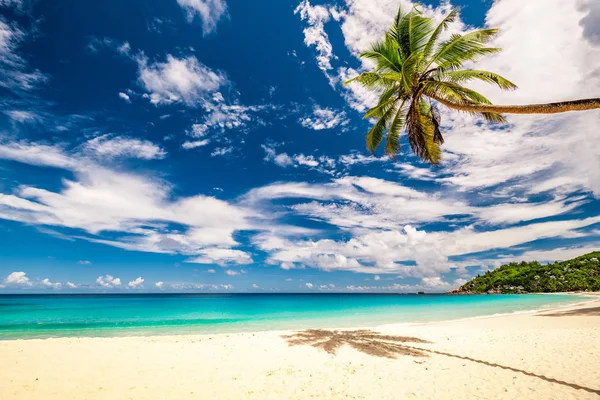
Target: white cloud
[(314, 33), (22, 116), (71, 285), (309, 285), (96, 43), (221, 151), (211, 271), (159, 285), (223, 117), (360, 159), (112, 147), (222, 257), (184, 80), (325, 118), (209, 11), (376, 278), (35, 154), (283, 160), (322, 164), (137, 283), (17, 279), (54, 285), (255, 286), (16, 74), (125, 97), (101, 200), (108, 281), (84, 262), (194, 144), (235, 273), (591, 21)]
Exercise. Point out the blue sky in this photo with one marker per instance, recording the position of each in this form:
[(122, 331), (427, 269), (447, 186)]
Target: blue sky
[(210, 145)]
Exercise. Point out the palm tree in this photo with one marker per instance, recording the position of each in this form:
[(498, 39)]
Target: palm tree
[(415, 72)]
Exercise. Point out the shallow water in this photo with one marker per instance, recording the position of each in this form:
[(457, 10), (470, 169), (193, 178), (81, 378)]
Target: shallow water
[(42, 316)]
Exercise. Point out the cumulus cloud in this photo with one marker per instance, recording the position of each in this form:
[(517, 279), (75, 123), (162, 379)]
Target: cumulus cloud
[(84, 262), (209, 12), (222, 257), (159, 285), (108, 281), (71, 285), (309, 285), (17, 279), (53, 285), (137, 283), (591, 21), (125, 97), (185, 80), (322, 163), (107, 146), (325, 118), (222, 121)]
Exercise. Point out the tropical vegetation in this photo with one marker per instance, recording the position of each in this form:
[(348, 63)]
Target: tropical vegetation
[(416, 72), (579, 274)]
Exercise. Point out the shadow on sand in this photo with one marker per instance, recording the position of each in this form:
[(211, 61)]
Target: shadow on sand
[(365, 341), (581, 312), (379, 345)]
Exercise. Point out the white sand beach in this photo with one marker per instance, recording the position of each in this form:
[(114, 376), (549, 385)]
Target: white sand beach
[(549, 355)]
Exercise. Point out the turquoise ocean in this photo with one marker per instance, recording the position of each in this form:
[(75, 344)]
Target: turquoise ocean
[(44, 316)]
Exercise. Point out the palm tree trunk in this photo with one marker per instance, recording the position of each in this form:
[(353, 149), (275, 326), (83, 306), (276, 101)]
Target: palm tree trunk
[(549, 108)]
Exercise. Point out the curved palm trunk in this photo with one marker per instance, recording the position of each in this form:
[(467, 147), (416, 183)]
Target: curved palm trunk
[(549, 108)]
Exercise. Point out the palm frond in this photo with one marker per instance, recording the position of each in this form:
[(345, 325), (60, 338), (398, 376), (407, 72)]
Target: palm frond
[(460, 95), (421, 131), (448, 19), (453, 92), (385, 55), (493, 117), (375, 135), (485, 76), (421, 29), (435, 120), (409, 70), (392, 146), (373, 81), (453, 53)]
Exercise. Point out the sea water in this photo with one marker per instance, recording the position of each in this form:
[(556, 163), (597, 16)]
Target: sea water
[(43, 316)]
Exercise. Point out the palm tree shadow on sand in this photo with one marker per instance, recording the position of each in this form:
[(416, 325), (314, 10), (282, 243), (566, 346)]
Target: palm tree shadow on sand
[(379, 345), (365, 341)]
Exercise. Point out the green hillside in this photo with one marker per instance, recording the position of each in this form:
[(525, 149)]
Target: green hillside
[(579, 274)]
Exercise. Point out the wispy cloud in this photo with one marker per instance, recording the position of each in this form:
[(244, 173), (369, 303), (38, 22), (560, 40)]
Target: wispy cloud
[(210, 12)]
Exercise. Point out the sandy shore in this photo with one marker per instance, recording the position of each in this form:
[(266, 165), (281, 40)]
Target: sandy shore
[(550, 355)]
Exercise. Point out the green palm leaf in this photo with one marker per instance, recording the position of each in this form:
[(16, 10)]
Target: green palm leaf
[(375, 135), (392, 146), (485, 76)]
